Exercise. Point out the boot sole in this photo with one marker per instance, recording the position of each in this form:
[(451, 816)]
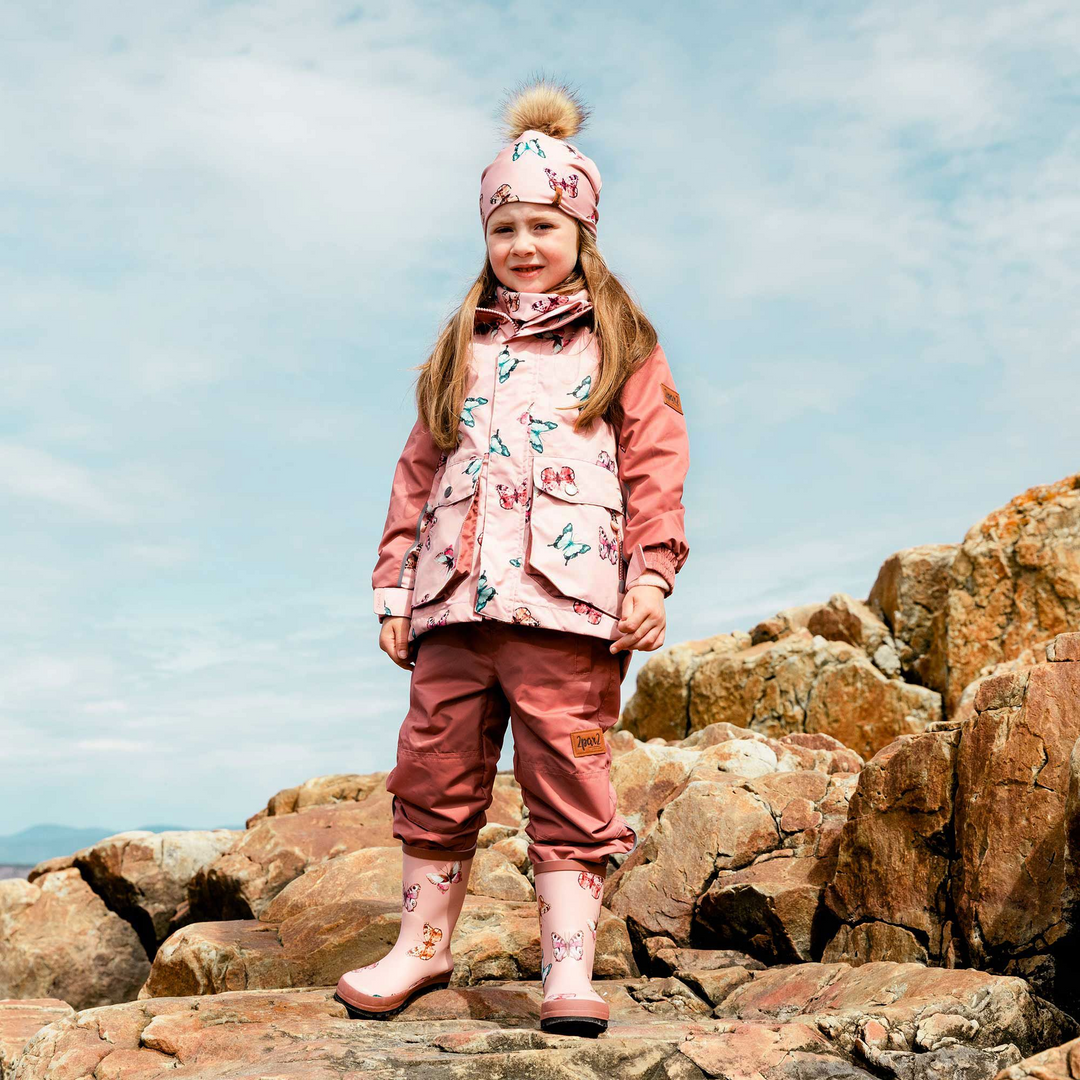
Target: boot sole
[(586, 1026), (385, 1014)]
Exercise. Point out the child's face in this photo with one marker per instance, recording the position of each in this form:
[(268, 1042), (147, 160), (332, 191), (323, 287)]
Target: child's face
[(525, 234)]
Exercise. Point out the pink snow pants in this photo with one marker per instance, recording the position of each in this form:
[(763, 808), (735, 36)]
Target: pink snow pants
[(560, 691)]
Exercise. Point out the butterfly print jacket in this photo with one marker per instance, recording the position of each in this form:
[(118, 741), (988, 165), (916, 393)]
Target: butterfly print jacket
[(527, 521)]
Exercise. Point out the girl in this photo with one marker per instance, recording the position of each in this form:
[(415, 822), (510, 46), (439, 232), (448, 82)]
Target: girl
[(535, 526)]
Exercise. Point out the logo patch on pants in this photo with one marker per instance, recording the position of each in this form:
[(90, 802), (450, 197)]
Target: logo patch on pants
[(588, 742)]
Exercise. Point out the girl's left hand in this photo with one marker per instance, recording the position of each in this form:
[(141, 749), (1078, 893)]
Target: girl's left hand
[(643, 619)]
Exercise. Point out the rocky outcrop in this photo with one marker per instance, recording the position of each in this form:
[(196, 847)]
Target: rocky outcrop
[(59, 940), (975, 818), (20, 1020), (1015, 581), (144, 876), (813, 1020)]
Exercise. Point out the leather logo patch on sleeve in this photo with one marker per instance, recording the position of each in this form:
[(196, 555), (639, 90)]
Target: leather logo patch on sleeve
[(588, 742), (671, 397)]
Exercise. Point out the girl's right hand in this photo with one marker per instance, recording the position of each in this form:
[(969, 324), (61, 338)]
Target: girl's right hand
[(394, 640)]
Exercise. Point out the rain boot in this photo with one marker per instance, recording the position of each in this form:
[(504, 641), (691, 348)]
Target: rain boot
[(433, 884), (569, 903)]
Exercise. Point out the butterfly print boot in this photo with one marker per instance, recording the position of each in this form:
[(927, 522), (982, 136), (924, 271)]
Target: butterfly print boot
[(569, 903), (432, 894)]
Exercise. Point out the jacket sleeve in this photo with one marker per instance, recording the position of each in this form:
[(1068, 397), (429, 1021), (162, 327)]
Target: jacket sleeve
[(392, 578), (654, 456)]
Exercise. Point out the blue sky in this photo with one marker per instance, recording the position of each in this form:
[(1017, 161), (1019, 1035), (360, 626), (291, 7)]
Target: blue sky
[(229, 232)]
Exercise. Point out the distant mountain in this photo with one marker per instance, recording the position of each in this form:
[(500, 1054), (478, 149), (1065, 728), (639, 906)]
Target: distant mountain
[(40, 842)]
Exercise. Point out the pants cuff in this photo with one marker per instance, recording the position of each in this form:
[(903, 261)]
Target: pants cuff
[(571, 864), (435, 853)]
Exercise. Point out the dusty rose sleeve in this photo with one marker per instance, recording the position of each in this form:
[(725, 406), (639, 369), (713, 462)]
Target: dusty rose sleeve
[(391, 579), (654, 456)]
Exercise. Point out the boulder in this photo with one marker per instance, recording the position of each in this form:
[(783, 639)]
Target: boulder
[(1015, 581), (20, 1020), (144, 876), (59, 940), (910, 595), (803, 683)]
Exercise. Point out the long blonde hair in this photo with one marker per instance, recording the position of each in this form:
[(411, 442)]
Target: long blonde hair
[(624, 338)]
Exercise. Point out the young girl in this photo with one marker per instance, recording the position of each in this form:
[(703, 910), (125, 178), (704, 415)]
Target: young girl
[(535, 526)]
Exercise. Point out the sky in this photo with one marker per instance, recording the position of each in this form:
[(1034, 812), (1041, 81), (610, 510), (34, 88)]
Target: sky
[(230, 231)]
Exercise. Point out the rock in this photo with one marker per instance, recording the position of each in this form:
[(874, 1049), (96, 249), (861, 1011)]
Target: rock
[(1056, 1063), (1012, 772), (487, 1033), (894, 860), (671, 960), (868, 941), (669, 997), (803, 683), (59, 940), (772, 908), (888, 1003), (279, 848), (910, 595), (143, 876), (659, 706), (314, 944), (842, 618), (20, 1020), (506, 805), (375, 874), (711, 825), (1015, 581)]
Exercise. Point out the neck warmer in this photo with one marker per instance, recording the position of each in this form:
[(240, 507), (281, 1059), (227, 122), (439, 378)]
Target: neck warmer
[(534, 313)]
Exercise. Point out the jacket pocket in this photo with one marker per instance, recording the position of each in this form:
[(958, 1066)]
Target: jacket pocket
[(575, 528), (447, 535)]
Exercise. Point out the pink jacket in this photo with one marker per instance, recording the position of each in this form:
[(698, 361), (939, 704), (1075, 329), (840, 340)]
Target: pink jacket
[(527, 521)]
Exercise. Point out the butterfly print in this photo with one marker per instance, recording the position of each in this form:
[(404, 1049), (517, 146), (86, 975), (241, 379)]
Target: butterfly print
[(467, 410), (573, 947), (511, 299), (558, 342), (409, 895), (581, 391), (605, 459), (567, 185), (614, 521), (524, 617), (550, 303), (567, 545), (432, 936), (510, 497), (593, 882), (507, 363), (581, 608), (446, 556), (609, 548), (560, 478), (535, 429), (545, 907), (545, 971), (529, 144), (559, 997), (497, 446), (500, 195), (433, 623), (484, 591), (446, 877)]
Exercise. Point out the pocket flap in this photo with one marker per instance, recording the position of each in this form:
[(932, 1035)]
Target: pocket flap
[(452, 490), (577, 480)]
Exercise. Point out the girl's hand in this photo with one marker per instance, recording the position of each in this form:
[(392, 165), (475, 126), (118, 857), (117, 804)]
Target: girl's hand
[(643, 619), (394, 640)]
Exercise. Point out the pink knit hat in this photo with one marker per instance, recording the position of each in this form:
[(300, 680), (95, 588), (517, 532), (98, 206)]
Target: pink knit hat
[(539, 166)]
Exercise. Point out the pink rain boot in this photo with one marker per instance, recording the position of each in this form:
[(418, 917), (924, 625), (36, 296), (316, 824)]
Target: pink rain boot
[(569, 902), (432, 893)]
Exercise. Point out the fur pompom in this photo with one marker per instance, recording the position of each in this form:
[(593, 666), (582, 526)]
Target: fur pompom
[(545, 106)]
